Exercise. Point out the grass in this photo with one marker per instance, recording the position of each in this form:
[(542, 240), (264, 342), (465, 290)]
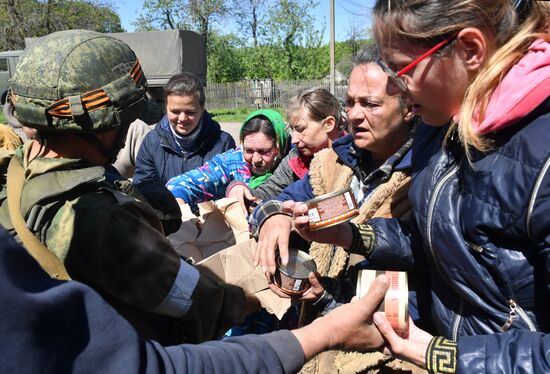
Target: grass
[(231, 115), (2, 118)]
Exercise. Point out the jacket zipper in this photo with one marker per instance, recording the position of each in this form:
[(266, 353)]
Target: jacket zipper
[(458, 317), (456, 321), (431, 209), (515, 311)]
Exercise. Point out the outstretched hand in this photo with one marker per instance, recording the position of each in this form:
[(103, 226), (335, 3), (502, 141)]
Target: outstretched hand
[(340, 235), (412, 349), (349, 326), (314, 292), (274, 235), (243, 195)]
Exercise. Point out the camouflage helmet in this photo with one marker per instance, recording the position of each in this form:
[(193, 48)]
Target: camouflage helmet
[(78, 81)]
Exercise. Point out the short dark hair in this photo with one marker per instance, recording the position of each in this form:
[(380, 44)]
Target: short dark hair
[(185, 84)]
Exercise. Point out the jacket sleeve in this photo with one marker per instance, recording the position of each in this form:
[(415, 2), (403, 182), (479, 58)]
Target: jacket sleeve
[(274, 185), (121, 250), (538, 224), (90, 336), (516, 351), (391, 243), (298, 191), (210, 180), (145, 161)]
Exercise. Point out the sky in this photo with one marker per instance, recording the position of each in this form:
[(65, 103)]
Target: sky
[(346, 14)]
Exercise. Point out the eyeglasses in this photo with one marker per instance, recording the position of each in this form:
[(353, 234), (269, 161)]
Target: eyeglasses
[(396, 76)]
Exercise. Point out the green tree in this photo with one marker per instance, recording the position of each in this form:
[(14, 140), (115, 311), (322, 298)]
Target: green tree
[(34, 18), (196, 15), (162, 15), (225, 59), (291, 27), (249, 16)]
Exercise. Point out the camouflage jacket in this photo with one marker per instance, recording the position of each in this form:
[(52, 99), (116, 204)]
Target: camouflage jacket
[(114, 243)]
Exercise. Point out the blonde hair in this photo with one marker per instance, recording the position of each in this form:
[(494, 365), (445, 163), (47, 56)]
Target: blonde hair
[(426, 22)]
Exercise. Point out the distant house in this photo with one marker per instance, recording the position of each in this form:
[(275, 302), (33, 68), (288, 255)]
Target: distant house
[(339, 78)]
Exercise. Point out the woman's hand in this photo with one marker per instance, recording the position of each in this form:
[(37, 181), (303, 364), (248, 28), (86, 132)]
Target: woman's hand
[(412, 349), (274, 235), (340, 235), (243, 195), (314, 292)]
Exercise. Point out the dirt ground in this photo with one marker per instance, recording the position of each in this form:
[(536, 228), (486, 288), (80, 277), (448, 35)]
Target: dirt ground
[(232, 128)]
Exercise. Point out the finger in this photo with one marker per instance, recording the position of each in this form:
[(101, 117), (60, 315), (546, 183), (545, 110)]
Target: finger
[(384, 326), (283, 249), (249, 196), (276, 290), (300, 209), (242, 203), (301, 223), (288, 206), (375, 294)]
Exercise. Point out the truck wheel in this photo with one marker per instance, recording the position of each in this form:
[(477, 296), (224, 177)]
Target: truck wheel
[(9, 114)]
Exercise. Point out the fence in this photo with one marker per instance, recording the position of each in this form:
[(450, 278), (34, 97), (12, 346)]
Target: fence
[(261, 94)]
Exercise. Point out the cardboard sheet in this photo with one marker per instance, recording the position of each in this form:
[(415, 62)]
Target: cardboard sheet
[(235, 265)]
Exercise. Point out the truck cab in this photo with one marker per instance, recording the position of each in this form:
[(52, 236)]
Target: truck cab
[(8, 61)]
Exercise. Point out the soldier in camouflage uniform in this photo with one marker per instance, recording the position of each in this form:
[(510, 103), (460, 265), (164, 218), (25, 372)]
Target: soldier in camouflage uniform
[(81, 90)]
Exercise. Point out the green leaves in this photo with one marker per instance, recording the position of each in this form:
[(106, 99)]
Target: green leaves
[(33, 18)]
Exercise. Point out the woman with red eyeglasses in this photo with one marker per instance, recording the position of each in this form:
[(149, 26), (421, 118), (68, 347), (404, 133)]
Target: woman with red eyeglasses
[(478, 73)]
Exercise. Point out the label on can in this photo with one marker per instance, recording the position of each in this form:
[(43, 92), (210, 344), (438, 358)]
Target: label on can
[(396, 302), (313, 215), (297, 285)]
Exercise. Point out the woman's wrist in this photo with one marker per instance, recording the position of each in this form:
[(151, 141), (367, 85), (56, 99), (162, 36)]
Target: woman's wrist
[(441, 355)]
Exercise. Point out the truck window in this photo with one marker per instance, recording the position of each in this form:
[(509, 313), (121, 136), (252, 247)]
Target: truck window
[(3, 64)]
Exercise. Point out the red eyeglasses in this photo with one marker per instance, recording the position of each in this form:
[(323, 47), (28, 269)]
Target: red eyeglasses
[(396, 77)]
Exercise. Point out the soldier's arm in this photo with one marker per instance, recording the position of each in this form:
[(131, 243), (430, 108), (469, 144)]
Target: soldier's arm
[(121, 251)]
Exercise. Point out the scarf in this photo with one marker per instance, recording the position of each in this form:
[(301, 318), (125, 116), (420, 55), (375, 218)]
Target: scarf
[(187, 143), (279, 126)]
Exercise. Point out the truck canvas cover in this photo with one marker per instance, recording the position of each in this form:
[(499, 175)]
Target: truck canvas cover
[(164, 53)]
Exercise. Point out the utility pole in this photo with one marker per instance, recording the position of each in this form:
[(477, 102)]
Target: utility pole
[(332, 68)]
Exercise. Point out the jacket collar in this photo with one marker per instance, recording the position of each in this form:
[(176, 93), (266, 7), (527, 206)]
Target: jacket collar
[(351, 156)]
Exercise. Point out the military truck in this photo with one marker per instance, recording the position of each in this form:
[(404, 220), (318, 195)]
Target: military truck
[(161, 54), (8, 61)]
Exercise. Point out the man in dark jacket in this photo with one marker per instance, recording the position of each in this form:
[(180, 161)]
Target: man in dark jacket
[(53, 326), (185, 138)]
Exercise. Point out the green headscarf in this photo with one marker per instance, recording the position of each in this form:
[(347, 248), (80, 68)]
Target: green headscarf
[(282, 135)]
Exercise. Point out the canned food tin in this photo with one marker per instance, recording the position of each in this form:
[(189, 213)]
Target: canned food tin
[(331, 209), (396, 302), (292, 278)]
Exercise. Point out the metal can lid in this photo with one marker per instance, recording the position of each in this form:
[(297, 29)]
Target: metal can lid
[(300, 264), (328, 196)]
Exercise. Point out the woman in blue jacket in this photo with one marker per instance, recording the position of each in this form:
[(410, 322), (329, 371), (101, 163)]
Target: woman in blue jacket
[(478, 72), (185, 138)]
